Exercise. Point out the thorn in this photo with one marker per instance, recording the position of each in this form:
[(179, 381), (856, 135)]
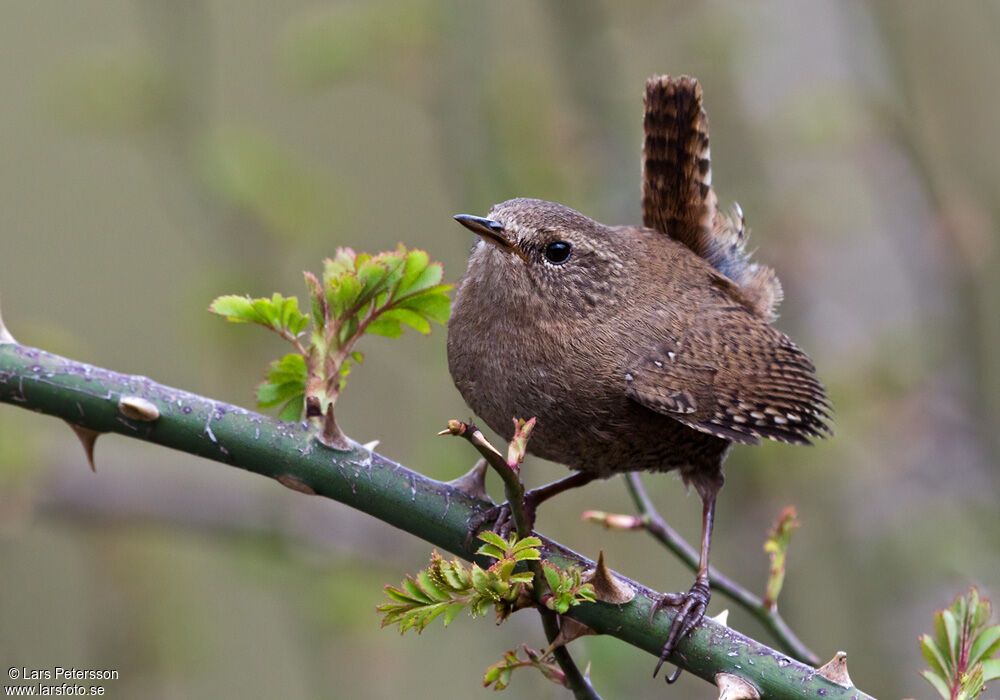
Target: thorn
[(295, 484), (5, 336), (722, 618), (138, 409), (732, 687), (87, 438), (836, 670), (331, 435), (473, 482), (480, 438), (607, 587), (370, 446)]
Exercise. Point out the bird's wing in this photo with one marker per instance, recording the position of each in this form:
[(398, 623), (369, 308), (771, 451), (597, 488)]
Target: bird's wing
[(677, 194), (730, 375)]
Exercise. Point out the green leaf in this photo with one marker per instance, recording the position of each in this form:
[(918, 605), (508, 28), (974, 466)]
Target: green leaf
[(395, 263), (419, 275), (269, 395), (526, 544), (552, 577), (939, 684), (317, 301), (385, 326), (286, 382), (480, 580), (451, 612), (291, 367), (932, 655), (409, 317), (277, 313), (504, 569), (429, 587), (979, 610), (991, 670), (342, 294), (526, 554), (398, 595), (493, 538), (986, 645), (951, 633), (238, 309), (433, 304), (374, 274), (269, 310), (411, 587), (291, 318), (428, 615), (292, 411), (416, 263), (489, 550)]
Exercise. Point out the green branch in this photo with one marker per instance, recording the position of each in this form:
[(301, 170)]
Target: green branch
[(91, 397)]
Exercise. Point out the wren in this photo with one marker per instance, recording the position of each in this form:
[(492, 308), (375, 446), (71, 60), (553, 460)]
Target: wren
[(636, 348)]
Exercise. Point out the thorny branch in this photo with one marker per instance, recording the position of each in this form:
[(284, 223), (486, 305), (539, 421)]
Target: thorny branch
[(90, 397)]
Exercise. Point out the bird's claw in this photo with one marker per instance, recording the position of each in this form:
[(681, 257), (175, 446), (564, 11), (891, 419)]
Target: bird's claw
[(691, 610), (500, 519), (497, 519)]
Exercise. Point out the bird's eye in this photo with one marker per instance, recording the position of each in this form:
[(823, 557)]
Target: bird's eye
[(557, 252)]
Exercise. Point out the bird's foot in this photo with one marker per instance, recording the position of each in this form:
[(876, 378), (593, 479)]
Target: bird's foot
[(497, 519), (691, 609), (500, 519)]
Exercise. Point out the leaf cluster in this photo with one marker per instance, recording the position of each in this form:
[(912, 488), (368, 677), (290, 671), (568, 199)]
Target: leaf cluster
[(446, 587), (961, 650), (498, 675), (356, 294), (566, 588)]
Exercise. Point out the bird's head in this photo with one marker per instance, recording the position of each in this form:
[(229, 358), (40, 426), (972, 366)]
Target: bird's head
[(534, 248)]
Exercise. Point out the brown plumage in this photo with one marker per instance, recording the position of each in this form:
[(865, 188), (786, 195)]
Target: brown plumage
[(634, 350), (634, 353)]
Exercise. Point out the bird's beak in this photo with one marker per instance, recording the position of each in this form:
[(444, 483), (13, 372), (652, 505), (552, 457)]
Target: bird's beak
[(490, 231)]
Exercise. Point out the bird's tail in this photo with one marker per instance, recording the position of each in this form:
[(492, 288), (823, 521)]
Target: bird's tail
[(677, 194)]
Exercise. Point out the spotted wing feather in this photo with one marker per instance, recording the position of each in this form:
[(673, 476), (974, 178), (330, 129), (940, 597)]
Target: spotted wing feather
[(733, 376)]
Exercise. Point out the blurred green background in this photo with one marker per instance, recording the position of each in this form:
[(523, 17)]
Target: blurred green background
[(154, 155)]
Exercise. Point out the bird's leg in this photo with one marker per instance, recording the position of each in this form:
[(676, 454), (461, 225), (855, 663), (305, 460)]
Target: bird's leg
[(693, 603), (499, 517)]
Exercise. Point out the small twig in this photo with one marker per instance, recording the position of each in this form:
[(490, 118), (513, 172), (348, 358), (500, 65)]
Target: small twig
[(656, 526), (513, 487), (507, 468), (575, 680)]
